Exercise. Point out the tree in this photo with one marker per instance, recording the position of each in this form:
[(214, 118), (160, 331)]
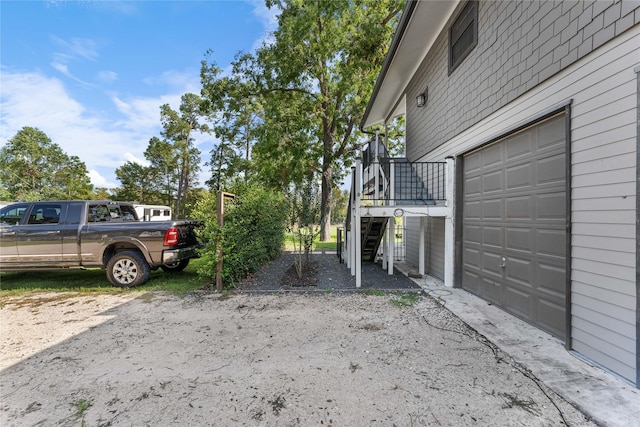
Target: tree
[(339, 203), (237, 117), (102, 193), (163, 168), (312, 84), (135, 181), (34, 168), (179, 128)]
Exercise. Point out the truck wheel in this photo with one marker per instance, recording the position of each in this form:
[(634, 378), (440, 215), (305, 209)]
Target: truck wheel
[(175, 267), (128, 268)]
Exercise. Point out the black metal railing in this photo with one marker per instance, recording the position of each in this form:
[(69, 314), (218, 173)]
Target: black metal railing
[(369, 153), (413, 183)]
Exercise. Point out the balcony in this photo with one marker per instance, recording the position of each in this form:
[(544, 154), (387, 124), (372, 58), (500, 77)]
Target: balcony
[(385, 188)]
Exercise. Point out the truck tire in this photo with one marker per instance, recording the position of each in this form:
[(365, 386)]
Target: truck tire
[(128, 268), (175, 267)]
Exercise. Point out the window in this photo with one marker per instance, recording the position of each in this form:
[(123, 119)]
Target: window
[(45, 214), (111, 212), (463, 35), (12, 214)]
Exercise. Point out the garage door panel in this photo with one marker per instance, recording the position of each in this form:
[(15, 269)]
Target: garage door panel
[(492, 237), (473, 186), (519, 177), (492, 182), (519, 271), (551, 315), (551, 170), (492, 209), (489, 289), (551, 244), (519, 302), (472, 258), (473, 234), (519, 186), (520, 207), (472, 163), (551, 206), (551, 281), (518, 147), (491, 156), (473, 210), (519, 239), (471, 281), (551, 133)]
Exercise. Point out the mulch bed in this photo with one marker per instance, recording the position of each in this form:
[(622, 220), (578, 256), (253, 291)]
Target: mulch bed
[(323, 272)]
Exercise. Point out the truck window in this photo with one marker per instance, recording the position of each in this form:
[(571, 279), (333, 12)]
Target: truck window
[(98, 213), (111, 212), (12, 214), (74, 213), (45, 214), (128, 213)]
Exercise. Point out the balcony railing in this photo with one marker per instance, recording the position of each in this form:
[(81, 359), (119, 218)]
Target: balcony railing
[(400, 182)]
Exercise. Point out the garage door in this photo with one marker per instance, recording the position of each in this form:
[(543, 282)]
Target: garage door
[(514, 228)]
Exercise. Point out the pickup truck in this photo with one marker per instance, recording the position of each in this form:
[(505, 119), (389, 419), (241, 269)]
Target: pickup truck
[(88, 234)]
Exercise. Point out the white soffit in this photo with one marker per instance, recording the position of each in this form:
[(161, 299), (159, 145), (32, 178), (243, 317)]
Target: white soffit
[(427, 21)]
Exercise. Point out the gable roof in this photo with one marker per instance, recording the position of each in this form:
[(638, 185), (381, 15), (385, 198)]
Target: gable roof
[(419, 26)]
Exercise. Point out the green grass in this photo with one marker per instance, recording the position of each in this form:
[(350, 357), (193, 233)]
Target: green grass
[(317, 244), (405, 300), (94, 281)]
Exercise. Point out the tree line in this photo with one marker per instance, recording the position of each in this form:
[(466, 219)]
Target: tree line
[(285, 114)]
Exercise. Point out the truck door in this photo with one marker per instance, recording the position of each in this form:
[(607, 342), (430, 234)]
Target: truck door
[(10, 218), (39, 240), (69, 227)]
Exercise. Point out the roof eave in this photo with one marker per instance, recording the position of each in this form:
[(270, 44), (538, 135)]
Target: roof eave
[(419, 26)]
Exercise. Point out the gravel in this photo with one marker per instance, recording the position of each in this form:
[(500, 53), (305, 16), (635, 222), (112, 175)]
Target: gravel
[(325, 274)]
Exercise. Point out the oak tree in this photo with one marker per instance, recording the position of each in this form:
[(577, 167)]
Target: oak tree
[(310, 82), (32, 167)]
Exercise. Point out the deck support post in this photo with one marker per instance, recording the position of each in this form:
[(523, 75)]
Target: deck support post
[(449, 235), (391, 242), (358, 225), (421, 245), (385, 251)]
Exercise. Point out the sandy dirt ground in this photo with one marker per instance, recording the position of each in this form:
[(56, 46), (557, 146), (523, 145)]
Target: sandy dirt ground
[(258, 360)]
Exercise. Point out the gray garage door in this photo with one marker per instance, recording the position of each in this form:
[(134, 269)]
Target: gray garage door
[(514, 229)]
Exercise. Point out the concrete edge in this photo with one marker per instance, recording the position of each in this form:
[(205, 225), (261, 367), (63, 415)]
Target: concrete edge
[(601, 395)]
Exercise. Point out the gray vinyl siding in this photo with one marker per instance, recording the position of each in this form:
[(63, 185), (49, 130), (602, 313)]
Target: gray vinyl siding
[(601, 87), (434, 245), (412, 241), (520, 45)]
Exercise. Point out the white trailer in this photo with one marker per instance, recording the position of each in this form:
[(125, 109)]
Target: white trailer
[(153, 212)]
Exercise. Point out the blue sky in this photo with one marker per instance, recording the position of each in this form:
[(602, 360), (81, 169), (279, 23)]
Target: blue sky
[(92, 75)]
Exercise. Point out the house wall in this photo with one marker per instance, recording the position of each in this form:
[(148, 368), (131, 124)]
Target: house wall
[(520, 44), (434, 238), (584, 57)]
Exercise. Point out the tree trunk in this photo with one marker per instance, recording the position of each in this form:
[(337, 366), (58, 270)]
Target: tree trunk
[(325, 202)]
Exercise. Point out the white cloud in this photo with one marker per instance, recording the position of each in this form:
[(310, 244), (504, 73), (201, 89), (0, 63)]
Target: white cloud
[(129, 157), (269, 19), (142, 113), (102, 143), (76, 48), (107, 76), (185, 81), (100, 181)]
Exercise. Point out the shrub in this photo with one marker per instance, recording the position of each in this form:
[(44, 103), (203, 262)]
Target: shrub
[(252, 235)]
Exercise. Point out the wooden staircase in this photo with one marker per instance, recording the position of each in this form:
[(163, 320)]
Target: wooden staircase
[(373, 229)]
